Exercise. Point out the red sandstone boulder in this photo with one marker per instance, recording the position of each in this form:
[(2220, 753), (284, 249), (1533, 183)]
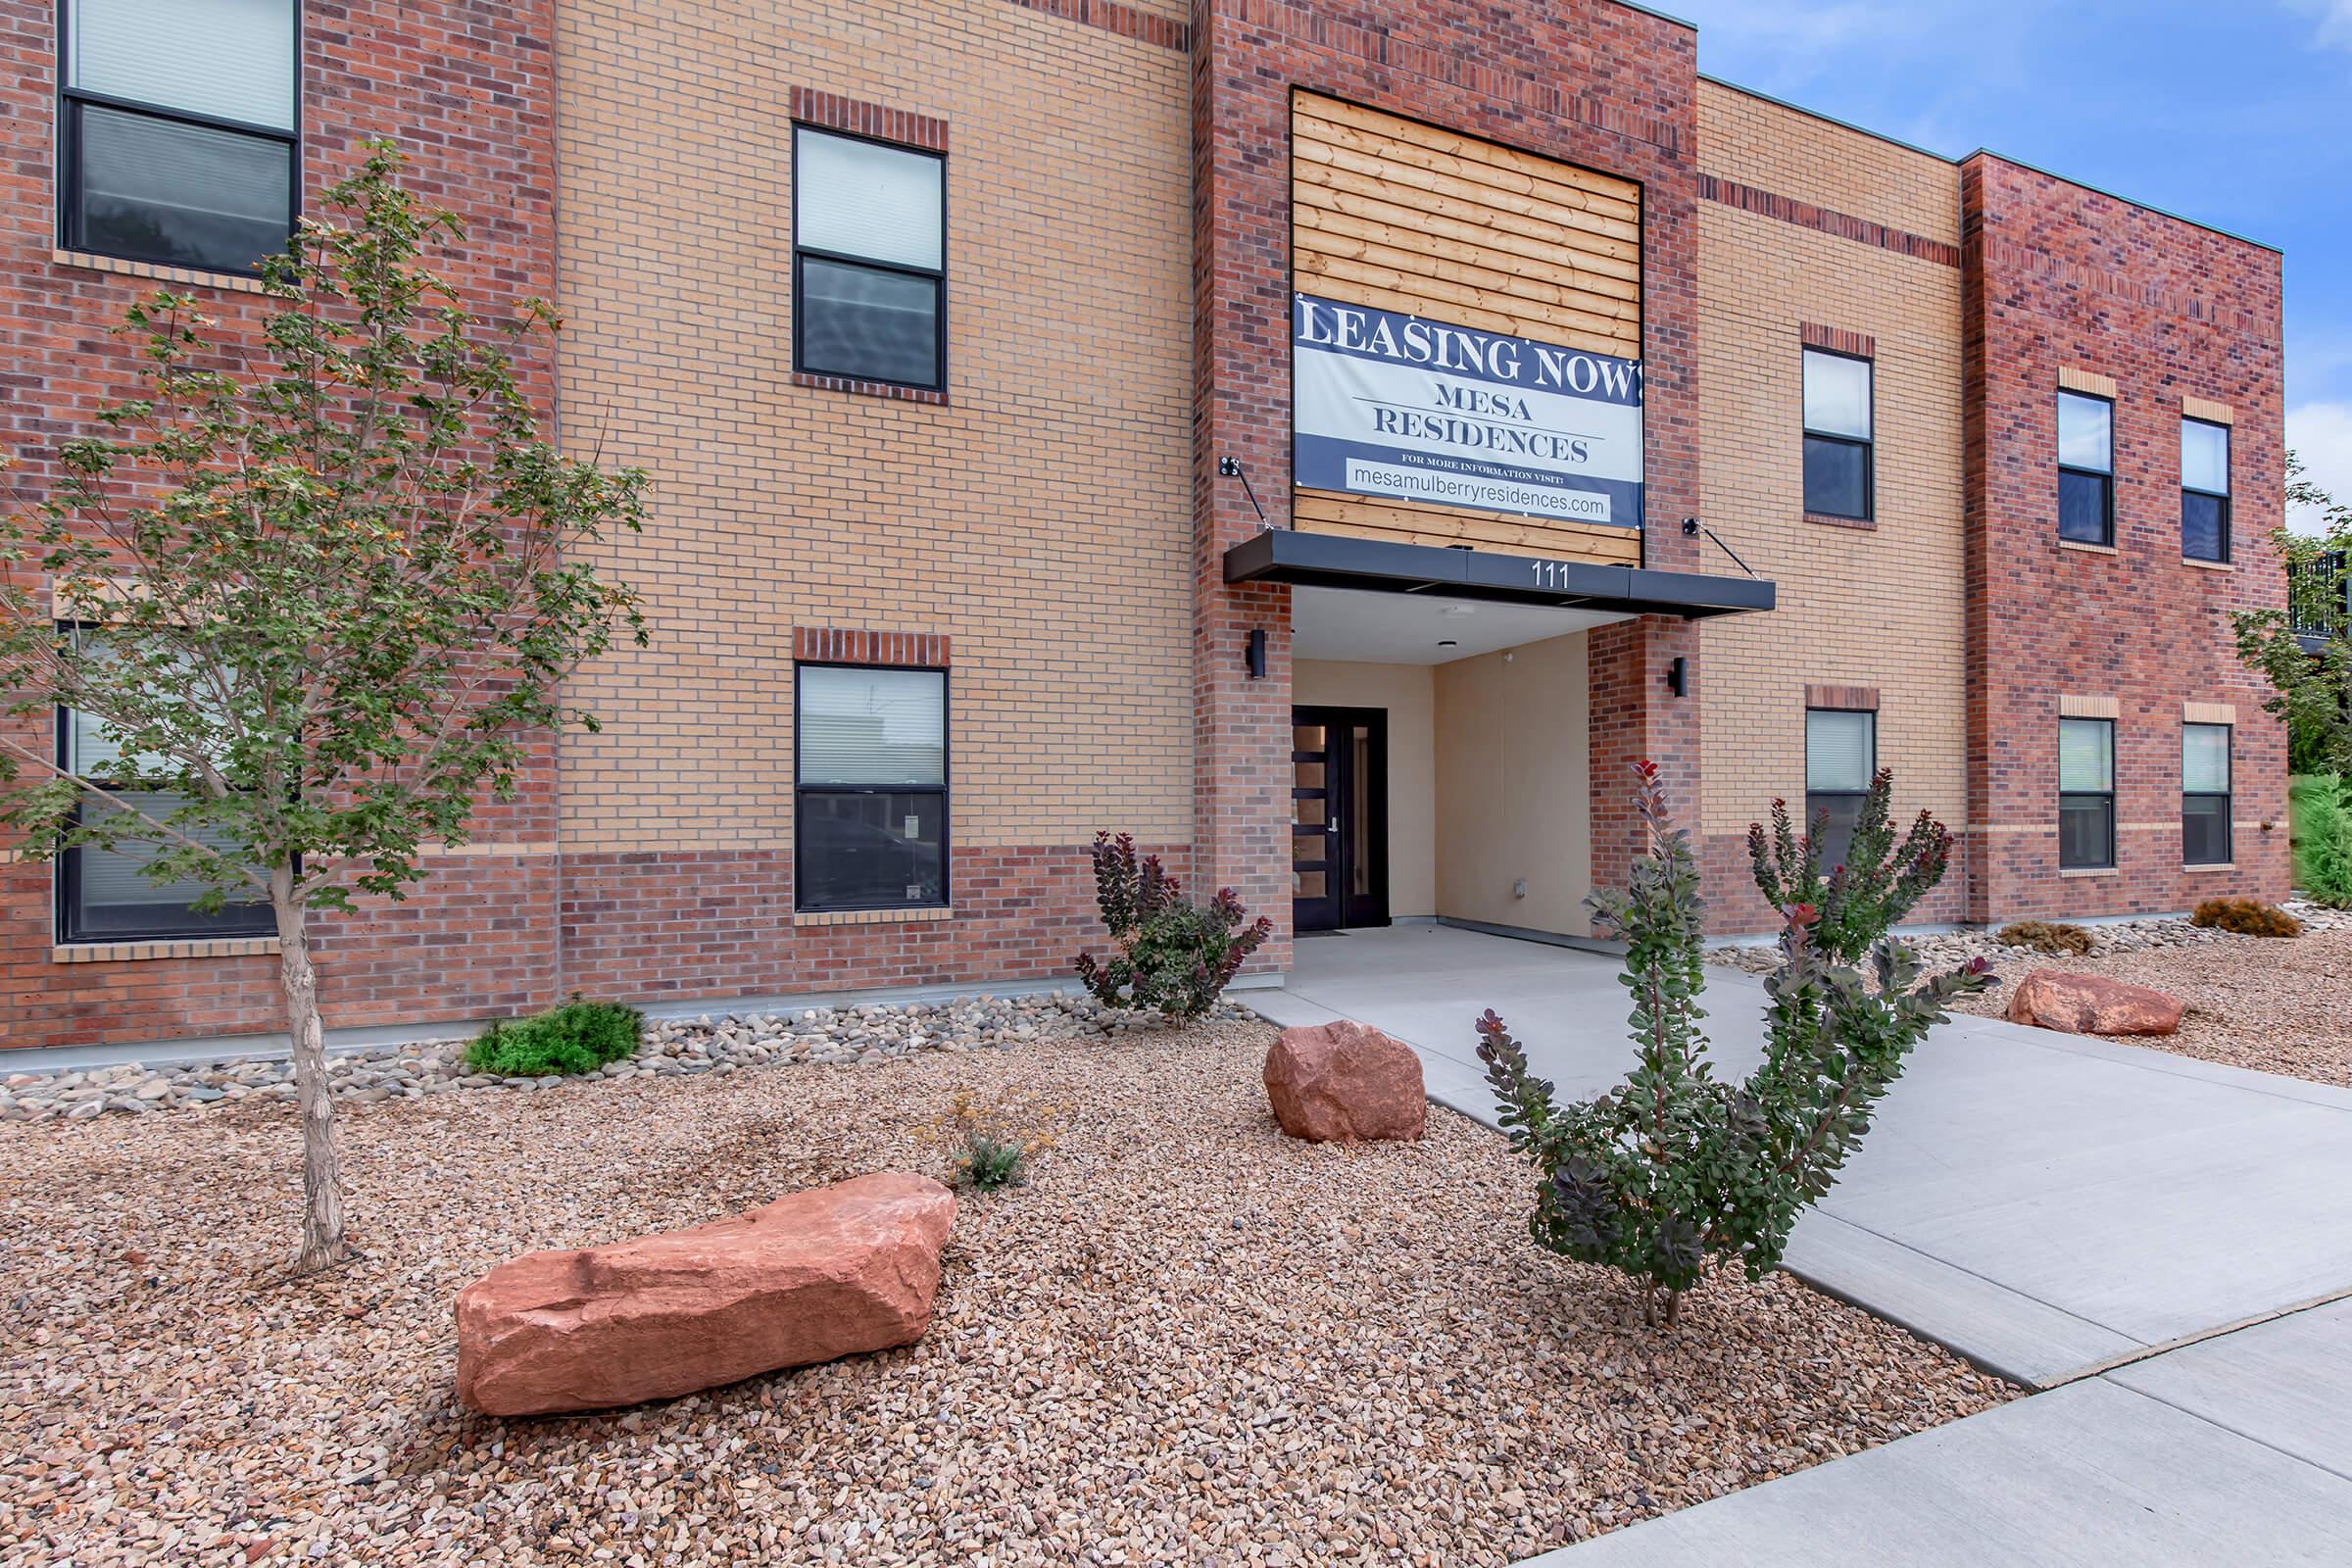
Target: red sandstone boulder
[(1344, 1081), (2089, 1005), (819, 1274)]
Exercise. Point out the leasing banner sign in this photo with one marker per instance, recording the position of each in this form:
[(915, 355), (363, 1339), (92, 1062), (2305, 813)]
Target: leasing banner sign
[(1406, 409)]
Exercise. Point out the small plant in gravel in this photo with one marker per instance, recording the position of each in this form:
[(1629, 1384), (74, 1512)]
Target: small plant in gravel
[(2054, 937), (1168, 955), (990, 1142), (1877, 884), (577, 1037), (1675, 1169), (2319, 807), (2248, 917)]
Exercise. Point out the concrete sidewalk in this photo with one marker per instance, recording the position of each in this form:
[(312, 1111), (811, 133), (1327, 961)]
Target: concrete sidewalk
[(2236, 1451), (2042, 1204)]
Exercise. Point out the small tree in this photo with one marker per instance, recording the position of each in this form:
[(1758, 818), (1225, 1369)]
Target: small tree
[(317, 592), (2311, 692), (1167, 955), (1876, 886), (1674, 1168)]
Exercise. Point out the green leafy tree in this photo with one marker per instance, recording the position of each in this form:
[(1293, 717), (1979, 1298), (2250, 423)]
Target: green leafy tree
[(1674, 1168), (2311, 691), (318, 591), (2320, 808)]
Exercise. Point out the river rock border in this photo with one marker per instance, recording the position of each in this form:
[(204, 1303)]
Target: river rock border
[(1949, 950), (670, 1048)]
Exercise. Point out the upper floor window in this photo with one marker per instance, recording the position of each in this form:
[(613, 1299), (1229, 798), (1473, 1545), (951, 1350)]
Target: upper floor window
[(178, 130), (1837, 438), (1842, 754), (870, 816), (2204, 490), (2086, 468), (868, 261), (2085, 793)]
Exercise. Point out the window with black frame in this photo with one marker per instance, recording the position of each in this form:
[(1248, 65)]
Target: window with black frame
[(2204, 490), (871, 823), (2085, 793), (2086, 468), (179, 124), (105, 895), (1839, 453), (1842, 754), (869, 260), (2204, 795)]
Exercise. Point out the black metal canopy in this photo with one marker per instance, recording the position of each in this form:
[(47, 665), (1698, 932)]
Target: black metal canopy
[(1331, 561)]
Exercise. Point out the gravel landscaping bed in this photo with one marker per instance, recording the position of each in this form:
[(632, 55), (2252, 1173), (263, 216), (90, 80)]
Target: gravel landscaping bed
[(1185, 1340), (2275, 1005), (670, 1048)]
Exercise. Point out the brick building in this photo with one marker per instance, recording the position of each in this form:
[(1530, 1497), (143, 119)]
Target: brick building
[(1326, 441)]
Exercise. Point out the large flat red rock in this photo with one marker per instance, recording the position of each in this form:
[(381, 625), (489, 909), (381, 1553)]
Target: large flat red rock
[(825, 1273), (2091, 1004), (1343, 1081)]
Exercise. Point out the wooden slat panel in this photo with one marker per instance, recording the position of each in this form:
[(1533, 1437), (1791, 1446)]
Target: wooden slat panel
[(1489, 271), (1442, 239), (1387, 174), (1327, 512), (1468, 222), (1389, 290), (1475, 159)]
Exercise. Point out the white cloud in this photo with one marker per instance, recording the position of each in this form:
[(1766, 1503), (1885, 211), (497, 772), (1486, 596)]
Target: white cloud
[(2334, 17), (2320, 434)]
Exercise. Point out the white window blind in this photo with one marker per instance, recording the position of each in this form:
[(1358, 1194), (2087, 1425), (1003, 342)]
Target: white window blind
[(2205, 759), (228, 58), (1836, 395), (2085, 432), (859, 198), (2205, 456), (2086, 755), (1841, 750), (114, 878), (873, 727)]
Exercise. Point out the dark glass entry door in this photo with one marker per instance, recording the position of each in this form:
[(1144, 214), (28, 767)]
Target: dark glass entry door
[(1339, 817)]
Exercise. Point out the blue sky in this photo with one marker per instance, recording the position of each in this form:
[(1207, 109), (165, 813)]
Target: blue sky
[(2233, 114)]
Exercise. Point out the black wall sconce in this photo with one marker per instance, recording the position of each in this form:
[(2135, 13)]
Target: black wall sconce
[(1254, 658), (1677, 676)]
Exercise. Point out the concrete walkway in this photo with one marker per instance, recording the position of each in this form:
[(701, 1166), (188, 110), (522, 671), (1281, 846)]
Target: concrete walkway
[(2236, 1451), (2164, 1244), (2043, 1204)]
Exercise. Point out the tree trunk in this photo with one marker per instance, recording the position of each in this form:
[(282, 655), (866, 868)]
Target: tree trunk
[(321, 1192)]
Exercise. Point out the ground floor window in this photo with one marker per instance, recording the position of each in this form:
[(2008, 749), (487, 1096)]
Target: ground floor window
[(2204, 794), (2085, 793), (106, 895), (1841, 753), (870, 818)]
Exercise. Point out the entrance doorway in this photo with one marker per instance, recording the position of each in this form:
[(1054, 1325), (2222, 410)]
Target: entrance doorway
[(1339, 817)]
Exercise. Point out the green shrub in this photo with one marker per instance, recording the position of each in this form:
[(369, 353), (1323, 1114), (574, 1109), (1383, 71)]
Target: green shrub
[(1168, 956), (2045, 935), (1674, 1167), (577, 1037), (1872, 890), (2248, 917), (2320, 811)]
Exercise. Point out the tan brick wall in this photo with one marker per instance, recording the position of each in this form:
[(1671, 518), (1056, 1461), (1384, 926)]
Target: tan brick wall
[(1873, 606), (1773, 147), (1041, 519)]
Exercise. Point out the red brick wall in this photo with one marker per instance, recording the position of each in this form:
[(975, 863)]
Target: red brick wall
[(1589, 81), (466, 87), (2061, 277)]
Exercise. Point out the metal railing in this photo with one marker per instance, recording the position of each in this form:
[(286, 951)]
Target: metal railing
[(2319, 596)]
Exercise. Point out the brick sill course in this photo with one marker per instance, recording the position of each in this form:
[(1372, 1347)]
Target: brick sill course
[(1827, 520), (142, 951), (2089, 549), (2208, 566), (871, 389), (802, 917), (121, 266)]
